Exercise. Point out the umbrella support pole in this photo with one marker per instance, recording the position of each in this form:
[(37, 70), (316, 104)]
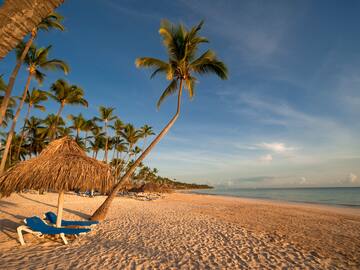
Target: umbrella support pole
[(60, 208)]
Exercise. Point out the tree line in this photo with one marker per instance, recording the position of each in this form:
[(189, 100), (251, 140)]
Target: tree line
[(127, 148)]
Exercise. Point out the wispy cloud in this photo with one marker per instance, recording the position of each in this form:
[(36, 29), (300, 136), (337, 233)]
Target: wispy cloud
[(277, 147), (350, 179), (266, 158), (258, 40)]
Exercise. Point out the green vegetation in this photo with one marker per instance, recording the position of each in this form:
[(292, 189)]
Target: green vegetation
[(105, 136)]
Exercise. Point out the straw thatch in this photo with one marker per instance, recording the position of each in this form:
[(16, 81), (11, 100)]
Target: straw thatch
[(62, 166)]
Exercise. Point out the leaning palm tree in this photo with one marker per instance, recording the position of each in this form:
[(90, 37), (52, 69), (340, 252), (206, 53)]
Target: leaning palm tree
[(52, 21), (36, 60), (66, 94), (182, 47), (106, 116), (34, 100)]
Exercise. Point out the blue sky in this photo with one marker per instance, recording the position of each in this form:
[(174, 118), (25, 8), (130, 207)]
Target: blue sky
[(288, 115)]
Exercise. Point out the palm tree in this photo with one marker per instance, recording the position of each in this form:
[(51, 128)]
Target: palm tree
[(53, 20), (106, 116), (51, 129), (36, 59), (87, 127), (78, 124), (131, 135), (146, 131), (35, 141), (97, 144), (64, 94), (182, 46), (9, 114), (33, 100)]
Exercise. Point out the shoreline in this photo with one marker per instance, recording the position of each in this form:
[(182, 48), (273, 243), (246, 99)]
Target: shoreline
[(280, 201)]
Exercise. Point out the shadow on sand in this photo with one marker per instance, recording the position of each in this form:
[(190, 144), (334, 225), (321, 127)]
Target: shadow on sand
[(77, 213)]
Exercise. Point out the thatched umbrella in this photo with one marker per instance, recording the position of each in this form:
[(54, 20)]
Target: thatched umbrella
[(61, 166)]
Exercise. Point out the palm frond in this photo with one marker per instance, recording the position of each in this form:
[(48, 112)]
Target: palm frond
[(190, 86), (56, 64), (170, 89), (39, 76)]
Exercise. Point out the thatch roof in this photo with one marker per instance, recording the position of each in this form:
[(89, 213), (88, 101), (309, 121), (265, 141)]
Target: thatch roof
[(63, 165)]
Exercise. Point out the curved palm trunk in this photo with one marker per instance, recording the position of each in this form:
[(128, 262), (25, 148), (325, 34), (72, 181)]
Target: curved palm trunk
[(102, 211), (23, 131), (13, 125), (5, 102)]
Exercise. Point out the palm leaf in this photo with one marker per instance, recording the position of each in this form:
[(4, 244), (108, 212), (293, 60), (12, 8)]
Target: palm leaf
[(170, 89)]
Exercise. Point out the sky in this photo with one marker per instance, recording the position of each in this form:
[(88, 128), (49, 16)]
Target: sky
[(288, 116)]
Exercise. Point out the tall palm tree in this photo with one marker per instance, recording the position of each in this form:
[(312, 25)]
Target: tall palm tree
[(9, 114), (36, 60), (35, 141), (106, 116), (33, 99), (182, 47), (66, 94), (78, 124), (52, 21), (87, 127), (146, 131), (51, 130), (132, 136)]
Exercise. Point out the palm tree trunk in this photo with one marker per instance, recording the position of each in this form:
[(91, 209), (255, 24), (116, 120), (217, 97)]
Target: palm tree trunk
[(5, 101), (101, 212), (86, 133), (106, 143), (13, 125), (23, 132), (53, 129)]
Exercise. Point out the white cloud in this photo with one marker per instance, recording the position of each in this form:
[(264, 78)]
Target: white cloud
[(277, 147), (302, 181), (350, 179), (267, 158)]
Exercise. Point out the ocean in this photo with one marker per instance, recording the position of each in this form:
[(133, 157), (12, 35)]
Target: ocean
[(339, 196)]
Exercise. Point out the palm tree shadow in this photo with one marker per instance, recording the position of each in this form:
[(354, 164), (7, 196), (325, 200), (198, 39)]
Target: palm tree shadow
[(77, 213)]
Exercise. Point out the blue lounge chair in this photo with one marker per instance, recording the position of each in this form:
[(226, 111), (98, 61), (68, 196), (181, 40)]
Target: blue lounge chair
[(38, 227), (51, 217)]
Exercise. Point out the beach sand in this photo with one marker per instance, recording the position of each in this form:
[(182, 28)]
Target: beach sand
[(185, 231)]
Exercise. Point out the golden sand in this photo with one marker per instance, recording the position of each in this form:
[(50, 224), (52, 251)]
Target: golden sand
[(185, 231)]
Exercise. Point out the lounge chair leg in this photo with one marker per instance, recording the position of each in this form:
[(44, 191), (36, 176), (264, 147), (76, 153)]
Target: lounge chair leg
[(63, 238), (21, 238), (26, 229)]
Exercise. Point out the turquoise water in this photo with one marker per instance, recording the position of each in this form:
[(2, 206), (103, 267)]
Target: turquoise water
[(349, 196)]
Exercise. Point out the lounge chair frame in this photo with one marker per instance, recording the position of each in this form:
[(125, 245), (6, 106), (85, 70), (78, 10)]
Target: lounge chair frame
[(26, 228)]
